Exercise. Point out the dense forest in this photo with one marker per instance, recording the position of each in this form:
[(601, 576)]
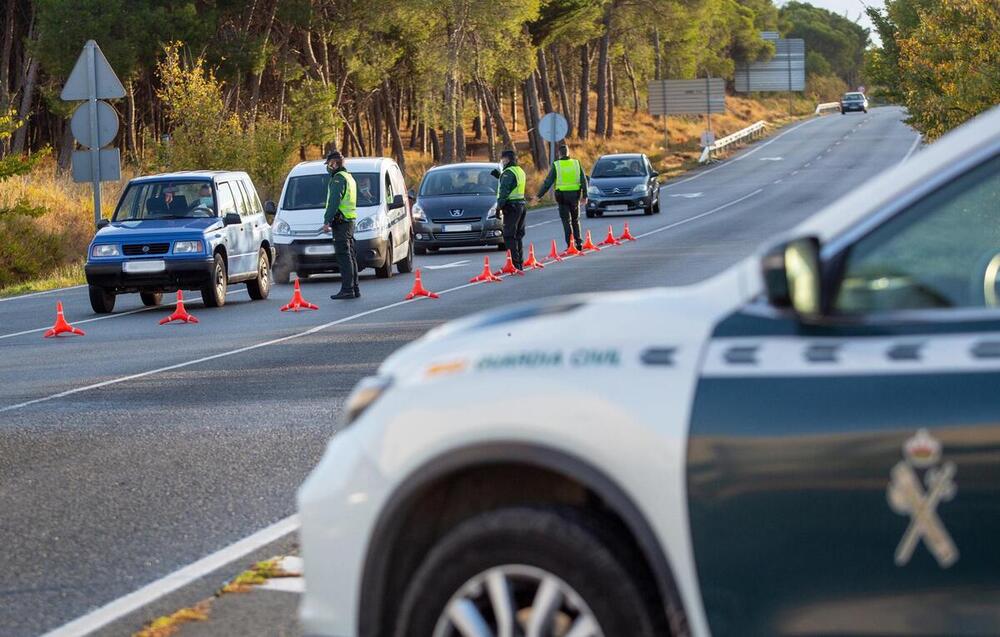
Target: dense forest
[(268, 75)]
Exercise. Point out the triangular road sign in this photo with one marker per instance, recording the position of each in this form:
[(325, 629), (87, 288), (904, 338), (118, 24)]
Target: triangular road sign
[(106, 84)]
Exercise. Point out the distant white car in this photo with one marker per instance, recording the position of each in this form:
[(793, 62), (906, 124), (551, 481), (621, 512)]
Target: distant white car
[(383, 232), (853, 102), (805, 444)]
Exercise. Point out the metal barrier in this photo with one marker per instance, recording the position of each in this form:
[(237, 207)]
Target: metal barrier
[(827, 106), (752, 131)]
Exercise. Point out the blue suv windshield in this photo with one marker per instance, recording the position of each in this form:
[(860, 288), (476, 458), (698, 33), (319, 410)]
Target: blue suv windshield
[(147, 200)]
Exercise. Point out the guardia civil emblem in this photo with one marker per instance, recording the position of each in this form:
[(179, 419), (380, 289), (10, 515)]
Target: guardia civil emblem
[(919, 499)]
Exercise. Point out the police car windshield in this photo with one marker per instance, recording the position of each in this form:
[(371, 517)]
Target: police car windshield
[(459, 181), (308, 192), (189, 199), (623, 167)]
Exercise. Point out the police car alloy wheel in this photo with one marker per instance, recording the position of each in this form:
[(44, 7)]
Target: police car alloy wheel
[(549, 572)]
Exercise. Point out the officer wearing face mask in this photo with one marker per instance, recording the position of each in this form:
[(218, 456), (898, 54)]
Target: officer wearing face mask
[(510, 202), (341, 204)]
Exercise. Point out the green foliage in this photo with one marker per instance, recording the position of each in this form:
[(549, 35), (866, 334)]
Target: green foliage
[(28, 250), (15, 165), (311, 112), (838, 41)]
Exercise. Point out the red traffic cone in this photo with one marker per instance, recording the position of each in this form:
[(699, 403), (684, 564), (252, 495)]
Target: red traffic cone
[(180, 314), (626, 235), (554, 253), (61, 326), (572, 250), (418, 289), (298, 303), (532, 263), (610, 239), (508, 268), (486, 274), (589, 244)]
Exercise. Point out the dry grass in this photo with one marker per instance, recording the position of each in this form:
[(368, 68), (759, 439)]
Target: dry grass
[(170, 624)]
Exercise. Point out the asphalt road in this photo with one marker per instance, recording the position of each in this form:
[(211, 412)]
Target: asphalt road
[(137, 449)]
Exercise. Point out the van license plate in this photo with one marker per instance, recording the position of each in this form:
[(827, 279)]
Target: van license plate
[(459, 228), (157, 265), (320, 249)]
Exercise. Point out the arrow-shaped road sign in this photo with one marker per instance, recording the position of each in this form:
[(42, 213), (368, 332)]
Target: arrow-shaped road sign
[(106, 84)]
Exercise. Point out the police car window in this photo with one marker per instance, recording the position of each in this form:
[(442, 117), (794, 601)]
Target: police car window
[(943, 252), (227, 203)]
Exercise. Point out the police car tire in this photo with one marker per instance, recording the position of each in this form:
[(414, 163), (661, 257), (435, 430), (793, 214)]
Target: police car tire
[(210, 294), (563, 542), (151, 299), (101, 299)]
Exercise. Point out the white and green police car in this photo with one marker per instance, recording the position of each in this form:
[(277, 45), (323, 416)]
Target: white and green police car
[(806, 444)]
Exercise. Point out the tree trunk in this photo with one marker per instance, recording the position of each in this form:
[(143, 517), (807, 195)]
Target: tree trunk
[(602, 75), (583, 123), (477, 122), (532, 116), (635, 87), (27, 98), (563, 95), (513, 108), (359, 136), (65, 159), (131, 147), (543, 82), (460, 142), (496, 115), (487, 118), (378, 122), (435, 145), (395, 138), (609, 131), (5, 49), (657, 62)]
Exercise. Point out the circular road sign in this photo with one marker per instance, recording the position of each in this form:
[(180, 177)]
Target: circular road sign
[(107, 124), (553, 127)]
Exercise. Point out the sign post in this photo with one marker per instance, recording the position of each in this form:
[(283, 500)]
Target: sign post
[(553, 128), (94, 123)]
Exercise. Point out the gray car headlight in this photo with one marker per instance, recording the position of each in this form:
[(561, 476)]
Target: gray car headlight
[(418, 213), (492, 212), (593, 190), (105, 250), (188, 247), (368, 390), (640, 188)]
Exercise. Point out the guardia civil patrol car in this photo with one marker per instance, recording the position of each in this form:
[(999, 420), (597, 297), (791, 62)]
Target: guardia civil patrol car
[(806, 444)]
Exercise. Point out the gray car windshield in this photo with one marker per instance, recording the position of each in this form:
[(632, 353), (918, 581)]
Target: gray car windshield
[(460, 181), (619, 167), (189, 199), (308, 192)]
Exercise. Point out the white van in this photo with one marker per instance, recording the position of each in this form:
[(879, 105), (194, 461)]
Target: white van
[(383, 231)]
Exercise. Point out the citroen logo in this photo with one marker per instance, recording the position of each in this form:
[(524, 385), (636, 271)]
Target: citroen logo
[(456, 212), (145, 249), (618, 190)]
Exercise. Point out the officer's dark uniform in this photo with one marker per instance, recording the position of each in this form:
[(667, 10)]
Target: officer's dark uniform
[(510, 201), (570, 187), (341, 204)]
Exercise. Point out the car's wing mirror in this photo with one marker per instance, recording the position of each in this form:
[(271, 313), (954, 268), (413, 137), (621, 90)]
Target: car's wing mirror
[(270, 208), (793, 276), (397, 202), (232, 219), (103, 223)]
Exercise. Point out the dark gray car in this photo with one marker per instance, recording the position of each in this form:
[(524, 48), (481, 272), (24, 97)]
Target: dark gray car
[(623, 183), (456, 207)]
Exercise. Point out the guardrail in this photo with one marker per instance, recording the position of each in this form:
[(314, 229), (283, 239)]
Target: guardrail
[(827, 106), (753, 131)]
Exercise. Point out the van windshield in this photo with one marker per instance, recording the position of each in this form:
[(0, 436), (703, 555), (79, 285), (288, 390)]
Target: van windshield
[(460, 181), (188, 199), (308, 192)]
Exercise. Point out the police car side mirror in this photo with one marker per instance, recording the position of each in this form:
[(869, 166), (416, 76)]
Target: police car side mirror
[(397, 202), (793, 276), (232, 219)]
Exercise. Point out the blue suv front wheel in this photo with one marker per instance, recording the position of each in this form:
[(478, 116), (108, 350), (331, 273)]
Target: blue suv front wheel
[(214, 292)]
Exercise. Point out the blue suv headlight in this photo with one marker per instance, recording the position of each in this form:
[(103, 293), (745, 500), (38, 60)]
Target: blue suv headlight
[(188, 247), (105, 250)]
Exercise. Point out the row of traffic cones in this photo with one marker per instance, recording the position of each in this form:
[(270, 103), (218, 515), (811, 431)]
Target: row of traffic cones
[(62, 326)]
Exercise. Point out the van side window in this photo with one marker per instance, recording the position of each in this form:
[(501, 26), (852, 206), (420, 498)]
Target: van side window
[(388, 188), (227, 202)]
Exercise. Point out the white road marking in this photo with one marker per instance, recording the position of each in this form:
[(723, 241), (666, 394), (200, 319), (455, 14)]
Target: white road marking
[(687, 195), (808, 165), (169, 583), (913, 147), (776, 181), (101, 318), (771, 159), (453, 264), (795, 172), (699, 216), (33, 294), (542, 223)]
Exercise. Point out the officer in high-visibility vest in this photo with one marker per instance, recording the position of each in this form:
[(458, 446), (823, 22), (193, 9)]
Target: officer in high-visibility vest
[(511, 204), (571, 190), (341, 206)]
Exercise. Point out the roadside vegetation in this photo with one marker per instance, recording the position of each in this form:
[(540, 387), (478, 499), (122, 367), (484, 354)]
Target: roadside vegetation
[(260, 85)]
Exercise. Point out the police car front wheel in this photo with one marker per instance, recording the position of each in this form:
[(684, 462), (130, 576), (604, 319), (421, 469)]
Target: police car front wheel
[(524, 570)]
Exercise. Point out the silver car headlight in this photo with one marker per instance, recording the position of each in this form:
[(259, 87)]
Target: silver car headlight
[(281, 227), (368, 390), (418, 212), (640, 188), (105, 250), (593, 190), (188, 247)]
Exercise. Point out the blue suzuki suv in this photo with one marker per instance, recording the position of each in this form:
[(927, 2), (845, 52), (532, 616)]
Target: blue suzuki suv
[(181, 231)]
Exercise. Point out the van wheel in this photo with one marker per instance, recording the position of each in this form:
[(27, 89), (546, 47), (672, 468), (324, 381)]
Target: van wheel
[(281, 273), (259, 288), (101, 299), (151, 299), (590, 215), (385, 271), (406, 265), (494, 568), (214, 294)]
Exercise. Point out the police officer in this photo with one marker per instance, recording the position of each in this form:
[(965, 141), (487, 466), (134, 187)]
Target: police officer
[(510, 202), (570, 189), (341, 203)]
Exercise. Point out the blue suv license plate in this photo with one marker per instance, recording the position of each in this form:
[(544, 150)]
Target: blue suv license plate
[(158, 265)]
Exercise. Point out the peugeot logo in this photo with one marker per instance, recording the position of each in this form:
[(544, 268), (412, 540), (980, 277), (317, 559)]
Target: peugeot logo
[(457, 212), (145, 249)]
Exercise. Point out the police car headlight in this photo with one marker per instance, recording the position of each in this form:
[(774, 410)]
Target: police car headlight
[(364, 395), (105, 250), (375, 222), (418, 213), (187, 247), (640, 188), (492, 212), (281, 227), (593, 190)]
